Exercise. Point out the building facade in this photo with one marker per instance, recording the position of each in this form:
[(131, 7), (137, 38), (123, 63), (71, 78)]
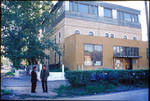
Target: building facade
[(95, 34)]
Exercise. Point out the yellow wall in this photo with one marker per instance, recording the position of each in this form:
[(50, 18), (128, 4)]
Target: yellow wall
[(74, 51)]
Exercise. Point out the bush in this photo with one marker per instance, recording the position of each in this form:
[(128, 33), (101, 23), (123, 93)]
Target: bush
[(6, 92), (58, 69), (9, 73), (83, 78)]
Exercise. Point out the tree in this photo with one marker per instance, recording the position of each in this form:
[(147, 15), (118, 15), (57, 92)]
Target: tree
[(20, 25)]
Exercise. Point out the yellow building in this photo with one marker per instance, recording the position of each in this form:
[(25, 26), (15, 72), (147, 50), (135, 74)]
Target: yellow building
[(96, 35)]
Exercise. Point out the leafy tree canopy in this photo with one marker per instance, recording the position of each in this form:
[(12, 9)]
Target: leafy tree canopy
[(20, 25)]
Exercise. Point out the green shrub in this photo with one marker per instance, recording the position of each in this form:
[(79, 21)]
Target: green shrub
[(61, 87), (6, 92), (9, 73), (83, 93), (83, 78), (58, 69), (95, 88)]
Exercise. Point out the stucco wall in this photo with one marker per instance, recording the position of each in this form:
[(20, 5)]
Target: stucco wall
[(74, 51), (100, 29)]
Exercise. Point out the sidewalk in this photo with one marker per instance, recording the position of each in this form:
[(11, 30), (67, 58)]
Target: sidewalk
[(136, 95), (22, 86)]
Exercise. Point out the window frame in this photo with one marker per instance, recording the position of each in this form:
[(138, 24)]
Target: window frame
[(130, 16), (93, 46), (107, 35), (107, 9), (125, 37), (134, 38), (112, 35), (76, 33), (78, 7), (90, 34)]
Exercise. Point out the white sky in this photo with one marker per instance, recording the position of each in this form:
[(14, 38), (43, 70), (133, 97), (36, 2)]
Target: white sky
[(139, 5)]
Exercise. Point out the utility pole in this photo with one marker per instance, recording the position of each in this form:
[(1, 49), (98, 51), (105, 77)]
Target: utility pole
[(146, 11)]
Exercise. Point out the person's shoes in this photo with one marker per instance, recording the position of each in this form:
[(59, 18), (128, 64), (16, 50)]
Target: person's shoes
[(43, 92), (33, 92)]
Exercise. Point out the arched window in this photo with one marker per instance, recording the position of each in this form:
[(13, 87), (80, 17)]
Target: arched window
[(77, 32), (106, 35), (91, 33), (134, 38), (112, 35), (124, 37)]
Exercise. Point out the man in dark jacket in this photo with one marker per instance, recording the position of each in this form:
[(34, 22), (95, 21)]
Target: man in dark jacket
[(43, 76), (33, 79)]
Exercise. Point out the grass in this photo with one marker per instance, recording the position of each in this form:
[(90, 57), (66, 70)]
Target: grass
[(6, 92), (105, 87), (23, 96)]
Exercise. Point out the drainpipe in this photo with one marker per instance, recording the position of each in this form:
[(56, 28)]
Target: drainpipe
[(146, 11)]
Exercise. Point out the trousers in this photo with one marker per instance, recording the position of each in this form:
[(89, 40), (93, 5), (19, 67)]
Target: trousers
[(33, 87), (44, 85)]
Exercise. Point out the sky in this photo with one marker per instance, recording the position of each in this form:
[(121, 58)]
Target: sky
[(139, 5)]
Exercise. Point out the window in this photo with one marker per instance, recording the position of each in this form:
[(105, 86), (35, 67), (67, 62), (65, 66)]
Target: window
[(83, 8), (91, 10), (127, 16), (77, 32), (118, 14), (107, 12), (122, 16), (59, 37), (91, 33), (55, 57), (59, 58), (136, 18), (133, 18), (133, 61), (120, 51), (92, 55), (106, 35), (96, 10), (115, 51), (134, 38), (111, 35), (124, 37), (55, 39), (75, 6), (71, 6)]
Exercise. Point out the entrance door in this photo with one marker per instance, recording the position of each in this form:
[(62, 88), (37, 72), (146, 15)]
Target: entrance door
[(127, 63)]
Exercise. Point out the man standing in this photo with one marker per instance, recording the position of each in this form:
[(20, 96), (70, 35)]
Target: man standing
[(33, 79), (43, 76)]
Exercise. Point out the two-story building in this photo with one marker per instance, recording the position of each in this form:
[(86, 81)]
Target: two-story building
[(95, 35)]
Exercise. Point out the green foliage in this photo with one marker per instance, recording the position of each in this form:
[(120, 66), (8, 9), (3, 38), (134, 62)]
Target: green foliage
[(92, 89), (59, 70), (82, 78), (9, 73), (6, 92), (83, 93), (20, 24)]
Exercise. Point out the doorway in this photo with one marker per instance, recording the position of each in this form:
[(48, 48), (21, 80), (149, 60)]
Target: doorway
[(127, 63)]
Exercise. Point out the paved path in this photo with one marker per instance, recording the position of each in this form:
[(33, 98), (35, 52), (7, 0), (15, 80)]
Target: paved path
[(22, 86), (137, 95)]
